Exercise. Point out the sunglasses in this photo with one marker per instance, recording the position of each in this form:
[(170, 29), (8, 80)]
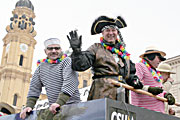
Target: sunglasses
[(51, 48)]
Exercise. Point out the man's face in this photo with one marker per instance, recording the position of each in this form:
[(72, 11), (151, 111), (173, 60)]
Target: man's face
[(53, 51), (155, 62), (165, 75), (110, 35)]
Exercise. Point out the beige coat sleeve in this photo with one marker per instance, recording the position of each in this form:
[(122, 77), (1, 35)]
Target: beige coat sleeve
[(167, 86)]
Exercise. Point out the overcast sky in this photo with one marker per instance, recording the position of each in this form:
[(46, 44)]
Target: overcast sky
[(149, 22)]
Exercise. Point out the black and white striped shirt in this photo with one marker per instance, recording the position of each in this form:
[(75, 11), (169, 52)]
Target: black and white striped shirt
[(56, 78)]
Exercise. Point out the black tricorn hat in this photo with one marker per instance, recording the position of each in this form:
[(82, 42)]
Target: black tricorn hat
[(102, 21)]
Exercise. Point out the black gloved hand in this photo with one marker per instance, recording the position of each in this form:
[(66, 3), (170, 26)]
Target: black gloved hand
[(134, 81), (170, 98), (155, 90), (75, 40)]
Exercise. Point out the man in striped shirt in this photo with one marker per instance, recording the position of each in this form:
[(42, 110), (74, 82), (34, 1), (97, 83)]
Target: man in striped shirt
[(60, 81), (152, 80)]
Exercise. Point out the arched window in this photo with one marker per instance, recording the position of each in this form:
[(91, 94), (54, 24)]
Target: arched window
[(6, 58), (19, 25), (84, 83), (5, 110), (15, 99), (21, 60)]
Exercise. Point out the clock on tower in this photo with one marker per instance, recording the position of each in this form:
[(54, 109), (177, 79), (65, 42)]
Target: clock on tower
[(23, 47), (16, 62)]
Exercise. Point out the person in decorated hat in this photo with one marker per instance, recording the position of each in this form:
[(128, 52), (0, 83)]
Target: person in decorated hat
[(152, 81), (56, 75), (166, 70), (108, 59)]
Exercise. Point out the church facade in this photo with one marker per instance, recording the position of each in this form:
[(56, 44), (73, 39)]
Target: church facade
[(174, 62), (16, 61)]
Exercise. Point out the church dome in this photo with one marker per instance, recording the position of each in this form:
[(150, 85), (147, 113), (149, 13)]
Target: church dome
[(25, 3)]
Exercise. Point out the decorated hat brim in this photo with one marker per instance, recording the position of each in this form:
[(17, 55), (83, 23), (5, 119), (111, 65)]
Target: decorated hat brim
[(103, 21), (167, 71), (150, 52)]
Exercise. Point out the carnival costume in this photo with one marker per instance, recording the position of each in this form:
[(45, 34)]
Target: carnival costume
[(108, 61), (150, 79), (59, 81)]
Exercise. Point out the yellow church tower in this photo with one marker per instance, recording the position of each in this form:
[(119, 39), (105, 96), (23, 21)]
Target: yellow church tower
[(17, 56)]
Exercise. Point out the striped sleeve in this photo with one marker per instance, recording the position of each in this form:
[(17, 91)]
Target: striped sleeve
[(35, 85), (139, 71), (70, 78)]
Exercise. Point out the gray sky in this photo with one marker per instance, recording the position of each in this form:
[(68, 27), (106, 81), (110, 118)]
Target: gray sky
[(149, 22)]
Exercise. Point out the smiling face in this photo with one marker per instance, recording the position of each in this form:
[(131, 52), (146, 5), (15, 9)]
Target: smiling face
[(110, 35), (53, 51)]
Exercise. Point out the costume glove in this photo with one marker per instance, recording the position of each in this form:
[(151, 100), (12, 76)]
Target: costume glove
[(155, 90), (75, 40), (134, 81), (170, 98)]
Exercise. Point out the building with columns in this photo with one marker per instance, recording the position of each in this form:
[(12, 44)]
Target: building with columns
[(174, 62), (17, 56)]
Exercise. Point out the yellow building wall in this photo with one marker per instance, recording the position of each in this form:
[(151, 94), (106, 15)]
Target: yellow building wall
[(15, 78), (86, 75)]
